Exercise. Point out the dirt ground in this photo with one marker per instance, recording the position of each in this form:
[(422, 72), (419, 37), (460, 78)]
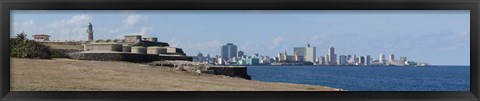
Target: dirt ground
[(81, 75)]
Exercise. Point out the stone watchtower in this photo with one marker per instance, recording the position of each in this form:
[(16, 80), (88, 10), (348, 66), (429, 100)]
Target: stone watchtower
[(89, 32)]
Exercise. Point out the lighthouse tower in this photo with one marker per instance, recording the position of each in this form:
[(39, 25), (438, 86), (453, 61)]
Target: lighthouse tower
[(90, 32)]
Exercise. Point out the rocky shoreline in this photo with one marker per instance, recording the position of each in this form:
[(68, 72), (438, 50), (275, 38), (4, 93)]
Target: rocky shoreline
[(232, 71)]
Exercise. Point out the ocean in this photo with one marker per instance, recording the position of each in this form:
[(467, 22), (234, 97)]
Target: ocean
[(369, 78)]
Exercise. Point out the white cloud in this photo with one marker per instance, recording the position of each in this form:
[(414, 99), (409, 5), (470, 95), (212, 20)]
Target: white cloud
[(68, 29), (213, 43), (134, 20), (145, 31), (276, 42), (75, 21), (29, 24), (316, 38)]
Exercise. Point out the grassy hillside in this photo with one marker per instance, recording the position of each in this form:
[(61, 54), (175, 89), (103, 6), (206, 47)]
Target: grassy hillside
[(79, 75)]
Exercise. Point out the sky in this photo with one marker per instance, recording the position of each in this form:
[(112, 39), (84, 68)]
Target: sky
[(438, 37)]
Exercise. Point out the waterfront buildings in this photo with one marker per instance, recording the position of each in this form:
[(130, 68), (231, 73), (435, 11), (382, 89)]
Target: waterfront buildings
[(381, 58), (299, 51), (321, 60), (282, 56), (342, 60), (362, 60), (368, 59), (252, 60), (307, 53), (228, 51), (310, 53), (391, 58), (240, 54), (331, 56), (300, 56)]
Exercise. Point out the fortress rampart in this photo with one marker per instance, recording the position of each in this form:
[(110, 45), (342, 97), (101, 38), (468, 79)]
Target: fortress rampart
[(124, 56)]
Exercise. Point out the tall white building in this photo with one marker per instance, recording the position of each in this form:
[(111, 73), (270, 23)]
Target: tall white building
[(308, 53), (381, 58), (355, 59), (391, 58), (331, 56), (282, 56), (362, 60)]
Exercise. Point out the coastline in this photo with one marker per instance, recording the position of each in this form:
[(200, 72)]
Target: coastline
[(61, 74)]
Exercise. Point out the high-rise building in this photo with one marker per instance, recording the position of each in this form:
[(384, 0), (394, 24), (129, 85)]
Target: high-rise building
[(240, 54), (381, 58), (90, 32), (321, 60), (355, 59), (300, 51), (362, 60), (308, 53), (228, 51), (280, 57), (391, 58), (368, 59), (349, 57), (332, 56), (342, 60), (327, 59)]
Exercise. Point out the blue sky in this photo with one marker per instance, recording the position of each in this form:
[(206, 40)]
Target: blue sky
[(439, 37)]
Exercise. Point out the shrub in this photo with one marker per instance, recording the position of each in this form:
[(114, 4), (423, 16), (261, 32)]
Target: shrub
[(58, 53), (24, 48)]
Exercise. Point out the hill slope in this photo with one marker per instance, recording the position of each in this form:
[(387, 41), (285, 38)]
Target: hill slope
[(80, 75)]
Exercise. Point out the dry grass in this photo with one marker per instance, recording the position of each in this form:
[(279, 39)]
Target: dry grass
[(80, 75)]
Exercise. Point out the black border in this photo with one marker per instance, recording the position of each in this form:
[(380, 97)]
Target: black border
[(7, 5)]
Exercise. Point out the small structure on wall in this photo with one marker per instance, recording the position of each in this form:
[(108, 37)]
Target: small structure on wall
[(41, 37)]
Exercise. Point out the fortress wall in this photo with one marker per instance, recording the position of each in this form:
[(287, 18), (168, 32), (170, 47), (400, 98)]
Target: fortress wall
[(126, 48), (156, 50), (139, 50), (122, 56), (63, 43), (105, 47)]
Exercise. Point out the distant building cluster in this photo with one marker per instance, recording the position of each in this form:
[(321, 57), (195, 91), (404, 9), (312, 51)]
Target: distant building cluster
[(229, 55)]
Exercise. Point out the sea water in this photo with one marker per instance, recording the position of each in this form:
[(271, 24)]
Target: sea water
[(369, 78)]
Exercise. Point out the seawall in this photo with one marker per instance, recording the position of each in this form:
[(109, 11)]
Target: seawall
[(232, 71)]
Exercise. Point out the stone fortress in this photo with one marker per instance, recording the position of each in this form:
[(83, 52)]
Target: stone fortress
[(132, 48), (131, 43)]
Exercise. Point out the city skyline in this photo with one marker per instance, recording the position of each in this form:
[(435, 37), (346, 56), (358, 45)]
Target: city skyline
[(419, 35)]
